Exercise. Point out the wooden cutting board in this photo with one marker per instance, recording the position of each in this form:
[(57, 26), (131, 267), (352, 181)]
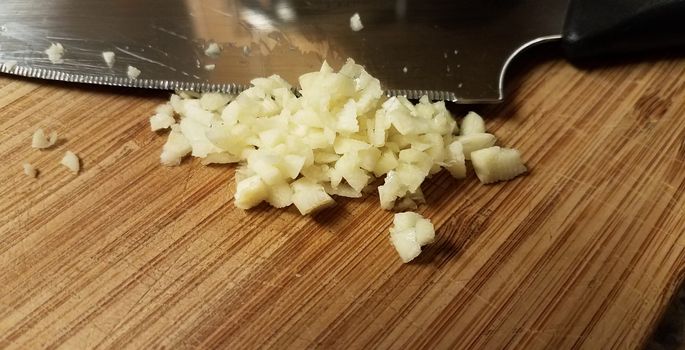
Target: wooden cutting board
[(584, 252)]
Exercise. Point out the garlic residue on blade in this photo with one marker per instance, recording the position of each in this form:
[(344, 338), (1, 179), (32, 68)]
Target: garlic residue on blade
[(132, 72), (356, 22), (109, 57), (55, 53), (213, 50)]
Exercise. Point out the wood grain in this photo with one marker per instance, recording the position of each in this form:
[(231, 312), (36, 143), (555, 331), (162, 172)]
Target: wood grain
[(584, 252)]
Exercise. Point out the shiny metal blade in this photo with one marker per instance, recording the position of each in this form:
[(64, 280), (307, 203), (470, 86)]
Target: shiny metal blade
[(447, 49)]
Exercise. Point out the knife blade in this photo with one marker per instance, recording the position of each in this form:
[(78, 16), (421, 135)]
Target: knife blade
[(455, 50)]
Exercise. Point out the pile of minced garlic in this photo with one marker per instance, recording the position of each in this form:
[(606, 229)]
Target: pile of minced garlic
[(334, 137)]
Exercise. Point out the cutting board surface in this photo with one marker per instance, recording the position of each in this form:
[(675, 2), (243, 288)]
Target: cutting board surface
[(585, 251)]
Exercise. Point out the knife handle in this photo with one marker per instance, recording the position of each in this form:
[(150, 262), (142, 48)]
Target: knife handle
[(610, 27)]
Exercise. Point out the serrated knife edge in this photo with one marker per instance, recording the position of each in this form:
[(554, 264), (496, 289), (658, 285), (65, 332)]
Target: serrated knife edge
[(56, 75)]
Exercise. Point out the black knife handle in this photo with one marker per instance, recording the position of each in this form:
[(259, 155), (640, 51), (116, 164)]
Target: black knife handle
[(609, 27)]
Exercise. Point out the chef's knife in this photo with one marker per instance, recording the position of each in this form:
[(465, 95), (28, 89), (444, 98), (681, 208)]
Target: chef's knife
[(455, 50)]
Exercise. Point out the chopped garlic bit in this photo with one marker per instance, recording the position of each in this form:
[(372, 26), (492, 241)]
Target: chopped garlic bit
[(175, 148), (356, 22), (71, 161), (250, 192), (213, 50), (220, 158), (210, 67), (164, 118), (109, 58), (213, 101), (497, 164), (41, 140), (455, 160), (475, 142), (309, 196), (55, 53), (165, 108), (132, 72), (472, 124), (161, 121), (29, 170), (409, 233), (339, 136)]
